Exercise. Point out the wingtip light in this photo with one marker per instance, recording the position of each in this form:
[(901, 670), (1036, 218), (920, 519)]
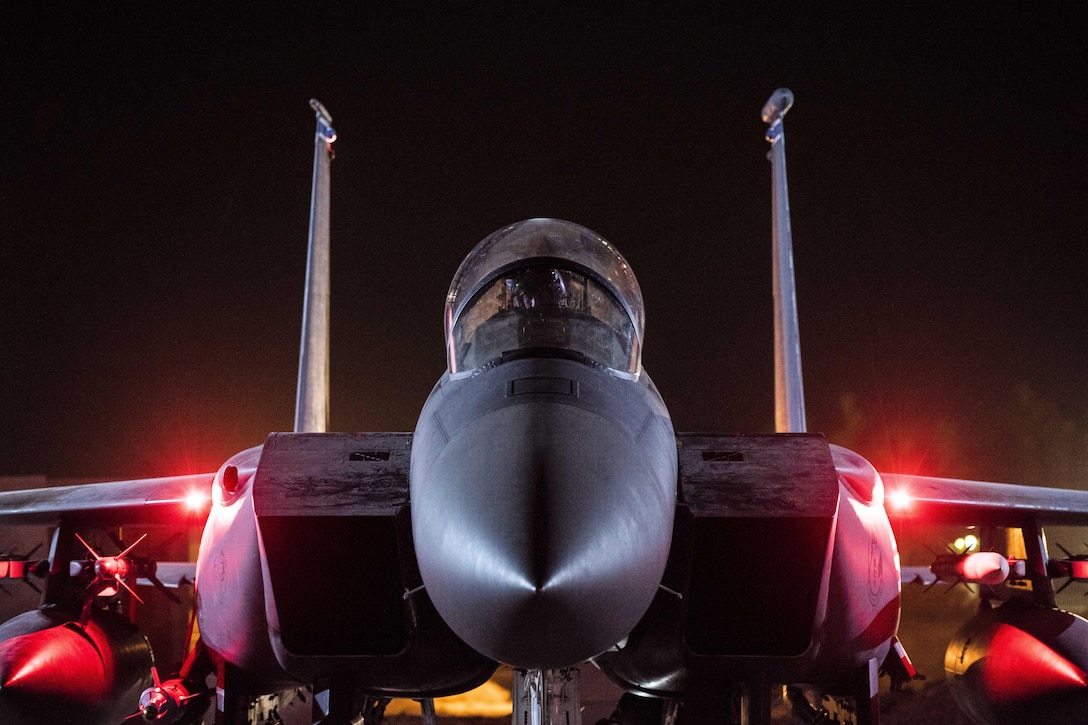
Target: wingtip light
[(196, 501), (899, 500)]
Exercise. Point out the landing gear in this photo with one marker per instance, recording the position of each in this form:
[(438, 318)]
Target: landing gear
[(231, 695), (426, 707), (755, 702), (635, 710), (866, 693), (547, 697), (334, 703), (743, 703), (373, 710), (861, 708)]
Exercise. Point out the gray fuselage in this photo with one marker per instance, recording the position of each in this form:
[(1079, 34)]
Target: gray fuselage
[(543, 491)]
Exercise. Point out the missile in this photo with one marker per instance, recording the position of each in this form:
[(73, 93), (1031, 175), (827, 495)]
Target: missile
[(1073, 566), (984, 567), (169, 701), (15, 567), (58, 671)]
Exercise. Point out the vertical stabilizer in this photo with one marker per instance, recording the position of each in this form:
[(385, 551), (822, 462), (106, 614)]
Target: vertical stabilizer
[(312, 398), (789, 394)]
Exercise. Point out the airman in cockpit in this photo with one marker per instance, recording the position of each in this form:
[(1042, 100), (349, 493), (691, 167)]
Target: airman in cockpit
[(538, 288)]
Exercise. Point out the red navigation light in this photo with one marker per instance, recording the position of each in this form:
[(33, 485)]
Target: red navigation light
[(899, 500), (195, 500)]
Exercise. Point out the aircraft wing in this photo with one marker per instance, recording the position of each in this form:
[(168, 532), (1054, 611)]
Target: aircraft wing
[(1028, 508), (172, 500), (951, 500)]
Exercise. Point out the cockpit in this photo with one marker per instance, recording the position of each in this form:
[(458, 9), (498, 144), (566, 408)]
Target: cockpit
[(544, 285)]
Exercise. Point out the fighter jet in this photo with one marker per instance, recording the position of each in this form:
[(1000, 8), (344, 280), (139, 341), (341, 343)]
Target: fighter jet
[(545, 515)]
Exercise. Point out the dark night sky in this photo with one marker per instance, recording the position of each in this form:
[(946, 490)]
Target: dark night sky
[(155, 189)]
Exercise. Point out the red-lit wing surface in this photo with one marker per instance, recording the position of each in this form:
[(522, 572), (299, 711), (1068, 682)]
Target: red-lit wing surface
[(1021, 658), (173, 500), (949, 500)]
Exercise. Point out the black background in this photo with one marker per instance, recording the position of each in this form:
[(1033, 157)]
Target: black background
[(155, 189)]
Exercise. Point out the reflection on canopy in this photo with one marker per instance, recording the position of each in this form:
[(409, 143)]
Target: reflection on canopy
[(544, 283)]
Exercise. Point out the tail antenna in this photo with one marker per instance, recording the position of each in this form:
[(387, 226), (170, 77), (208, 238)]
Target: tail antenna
[(789, 394), (312, 399)]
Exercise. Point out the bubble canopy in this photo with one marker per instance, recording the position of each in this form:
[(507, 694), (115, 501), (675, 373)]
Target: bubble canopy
[(544, 283)]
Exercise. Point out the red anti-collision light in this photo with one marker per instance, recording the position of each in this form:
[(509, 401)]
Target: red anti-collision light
[(899, 500), (196, 500)]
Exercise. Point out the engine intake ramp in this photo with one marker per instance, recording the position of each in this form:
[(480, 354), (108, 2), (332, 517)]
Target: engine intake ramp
[(343, 592), (750, 554)]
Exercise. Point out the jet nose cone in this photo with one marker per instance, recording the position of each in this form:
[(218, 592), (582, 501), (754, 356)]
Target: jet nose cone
[(542, 533)]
